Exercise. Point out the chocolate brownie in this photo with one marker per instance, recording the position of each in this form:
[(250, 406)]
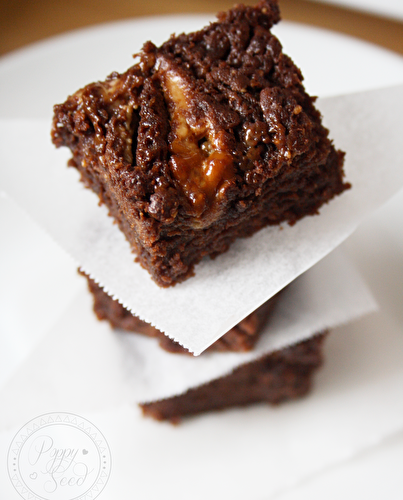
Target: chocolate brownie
[(207, 138), (242, 337), (277, 377)]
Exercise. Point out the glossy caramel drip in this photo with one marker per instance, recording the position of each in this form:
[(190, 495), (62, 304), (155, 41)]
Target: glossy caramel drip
[(200, 163)]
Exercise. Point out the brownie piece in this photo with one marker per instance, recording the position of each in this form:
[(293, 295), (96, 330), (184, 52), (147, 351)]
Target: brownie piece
[(242, 337), (277, 377), (208, 138)]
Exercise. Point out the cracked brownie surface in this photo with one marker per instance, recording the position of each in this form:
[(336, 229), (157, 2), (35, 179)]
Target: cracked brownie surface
[(208, 138)]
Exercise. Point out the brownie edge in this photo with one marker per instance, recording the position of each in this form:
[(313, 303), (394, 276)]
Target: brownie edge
[(242, 337), (274, 378)]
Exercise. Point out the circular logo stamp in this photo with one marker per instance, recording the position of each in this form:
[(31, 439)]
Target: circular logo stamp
[(59, 456)]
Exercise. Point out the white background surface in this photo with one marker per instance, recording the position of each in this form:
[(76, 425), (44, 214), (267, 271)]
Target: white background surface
[(387, 8), (377, 247)]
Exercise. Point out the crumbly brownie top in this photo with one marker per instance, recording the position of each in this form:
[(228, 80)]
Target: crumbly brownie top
[(200, 123)]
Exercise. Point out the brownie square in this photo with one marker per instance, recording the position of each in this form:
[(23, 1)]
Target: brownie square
[(207, 138), (274, 378), (242, 337)]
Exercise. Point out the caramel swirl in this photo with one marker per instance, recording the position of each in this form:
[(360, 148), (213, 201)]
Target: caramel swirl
[(200, 162)]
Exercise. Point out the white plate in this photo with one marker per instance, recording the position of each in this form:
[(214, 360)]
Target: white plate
[(387, 8), (33, 79)]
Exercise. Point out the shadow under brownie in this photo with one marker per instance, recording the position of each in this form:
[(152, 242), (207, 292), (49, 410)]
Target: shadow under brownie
[(210, 137)]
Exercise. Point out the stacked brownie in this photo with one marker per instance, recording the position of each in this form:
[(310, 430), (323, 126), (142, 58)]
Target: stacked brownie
[(272, 378), (242, 337), (208, 138)]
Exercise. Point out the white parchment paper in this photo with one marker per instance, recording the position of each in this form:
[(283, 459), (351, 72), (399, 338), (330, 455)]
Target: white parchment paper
[(199, 311), (131, 367)]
